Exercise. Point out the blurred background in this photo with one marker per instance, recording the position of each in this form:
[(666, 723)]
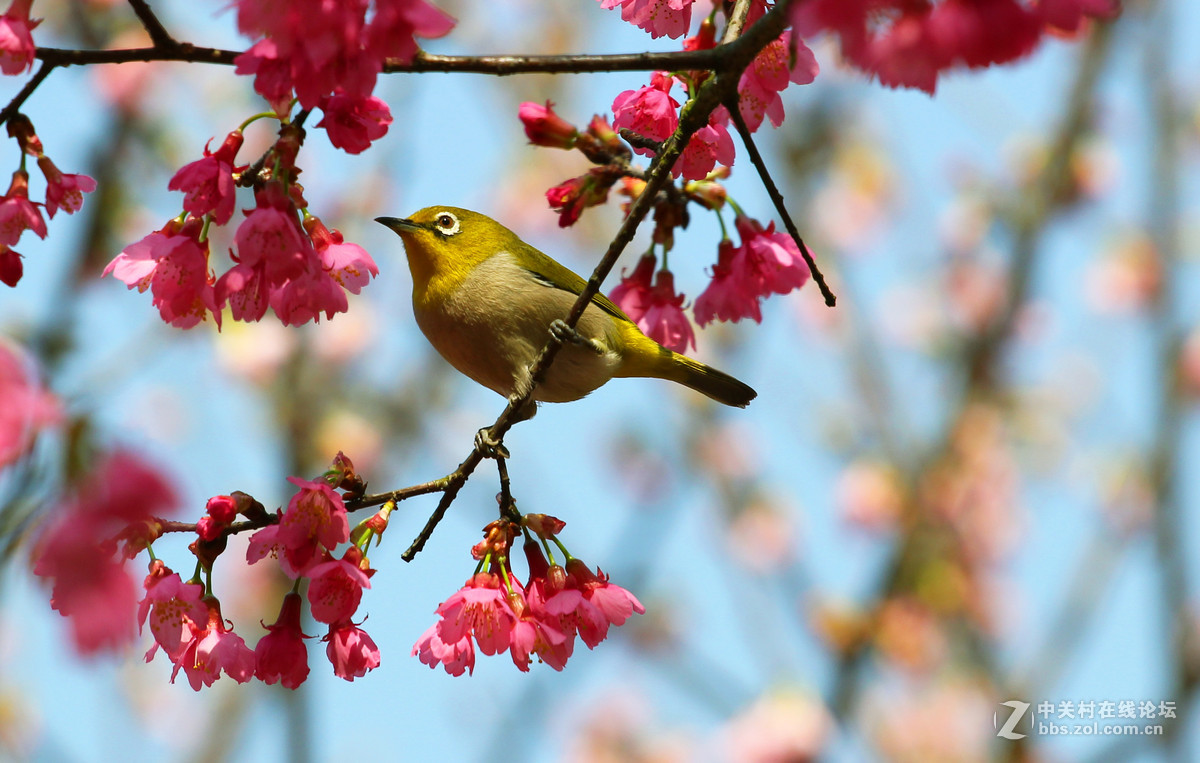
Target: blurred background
[(966, 484)]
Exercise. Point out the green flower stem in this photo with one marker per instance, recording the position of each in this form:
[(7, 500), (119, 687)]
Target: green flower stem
[(261, 115)]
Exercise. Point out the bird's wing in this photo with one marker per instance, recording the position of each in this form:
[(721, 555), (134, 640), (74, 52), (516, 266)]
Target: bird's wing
[(550, 272)]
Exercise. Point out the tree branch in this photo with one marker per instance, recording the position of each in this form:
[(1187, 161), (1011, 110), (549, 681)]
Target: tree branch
[(15, 104), (777, 199), (158, 33), (501, 65)]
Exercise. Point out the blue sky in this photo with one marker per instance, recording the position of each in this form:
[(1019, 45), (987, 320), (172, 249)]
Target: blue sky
[(457, 141)]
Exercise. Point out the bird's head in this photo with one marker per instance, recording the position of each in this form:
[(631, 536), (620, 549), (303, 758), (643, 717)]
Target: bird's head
[(448, 242)]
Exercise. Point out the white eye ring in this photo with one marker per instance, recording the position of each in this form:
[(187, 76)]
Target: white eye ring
[(446, 223)]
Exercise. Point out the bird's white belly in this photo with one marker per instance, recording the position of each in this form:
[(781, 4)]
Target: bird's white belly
[(495, 323)]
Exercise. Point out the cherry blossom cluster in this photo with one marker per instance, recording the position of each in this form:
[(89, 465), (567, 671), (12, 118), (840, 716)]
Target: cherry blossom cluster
[(115, 514), (18, 213), (909, 43), (285, 257), (495, 612), (766, 262), (328, 56), (311, 55)]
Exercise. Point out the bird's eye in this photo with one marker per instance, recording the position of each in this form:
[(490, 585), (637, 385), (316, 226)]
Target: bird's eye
[(447, 223)]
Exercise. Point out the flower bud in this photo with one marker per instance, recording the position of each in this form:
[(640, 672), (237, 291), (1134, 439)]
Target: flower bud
[(710, 194), (545, 128), (11, 267), (544, 525), (556, 579), (517, 602), (222, 508), (21, 128)]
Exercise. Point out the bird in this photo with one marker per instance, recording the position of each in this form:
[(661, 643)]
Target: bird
[(488, 302)]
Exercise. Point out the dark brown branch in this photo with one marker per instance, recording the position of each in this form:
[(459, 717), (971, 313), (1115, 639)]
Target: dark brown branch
[(15, 104), (158, 33), (777, 199), (436, 486), (706, 60)]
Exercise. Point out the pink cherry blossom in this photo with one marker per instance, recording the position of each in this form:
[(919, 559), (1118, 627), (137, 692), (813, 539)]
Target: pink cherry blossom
[(348, 264), (768, 75), (658, 310), (907, 44), (280, 656), (556, 603), (979, 33), (320, 43), (771, 258), (336, 586), (649, 111), (353, 122), (214, 649), (396, 22), (173, 264), (729, 296), (304, 297), (534, 635), (707, 147), (16, 41), (271, 250), (272, 74), (314, 521), (457, 657), (278, 266), (18, 213), (573, 196), (173, 607), (64, 191), (317, 47), (634, 293), (658, 17), (28, 407), (75, 549), (351, 650), (208, 183), (315, 512), (545, 128), (615, 603), (478, 609)]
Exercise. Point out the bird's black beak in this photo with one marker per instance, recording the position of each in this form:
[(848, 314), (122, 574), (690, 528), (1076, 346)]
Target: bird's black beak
[(398, 224)]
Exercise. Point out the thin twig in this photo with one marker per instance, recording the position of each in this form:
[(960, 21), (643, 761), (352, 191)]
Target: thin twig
[(777, 199), (158, 33), (15, 104), (454, 483)]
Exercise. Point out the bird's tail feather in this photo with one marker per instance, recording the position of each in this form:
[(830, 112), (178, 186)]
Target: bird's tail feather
[(692, 373)]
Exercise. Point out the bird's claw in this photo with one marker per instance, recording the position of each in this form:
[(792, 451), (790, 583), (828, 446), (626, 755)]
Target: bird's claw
[(489, 447), (566, 334)]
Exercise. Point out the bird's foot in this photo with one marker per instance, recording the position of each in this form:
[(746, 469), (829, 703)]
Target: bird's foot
[(566, 334), (489, 447)]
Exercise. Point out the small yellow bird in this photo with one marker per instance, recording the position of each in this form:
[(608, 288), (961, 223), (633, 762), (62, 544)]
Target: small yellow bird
[(487, 301)]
